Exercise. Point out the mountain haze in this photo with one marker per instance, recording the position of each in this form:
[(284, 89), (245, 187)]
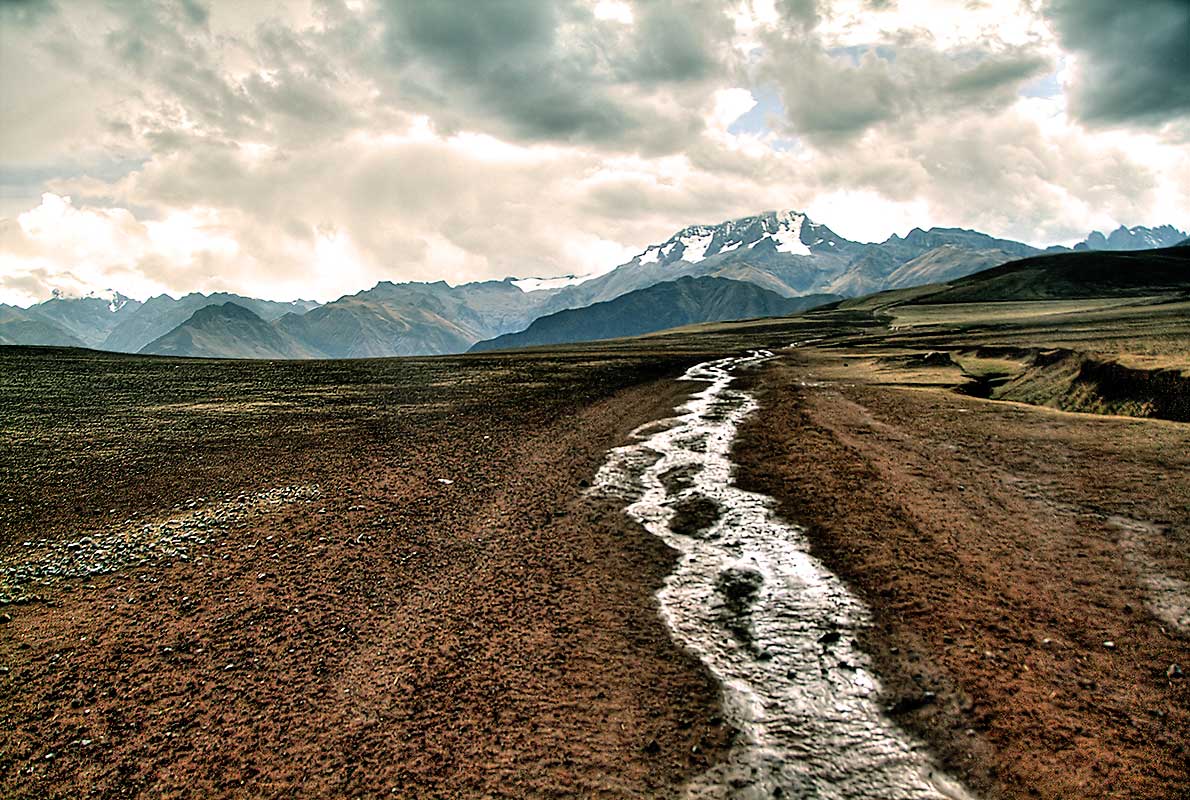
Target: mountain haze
[(227, 331), (1137, 238), (18, 326), (159, 315), (395, 319)]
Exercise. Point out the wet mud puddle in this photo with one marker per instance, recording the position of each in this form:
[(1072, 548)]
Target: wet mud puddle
[(771, 623)]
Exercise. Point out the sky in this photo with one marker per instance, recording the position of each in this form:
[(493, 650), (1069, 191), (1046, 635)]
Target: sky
[(310, 148)]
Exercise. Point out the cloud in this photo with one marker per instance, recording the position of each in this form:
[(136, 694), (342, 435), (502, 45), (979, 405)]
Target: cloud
[(537, 70), (60, 246), (24, 12), (833, 93), (302, 148), (1134, 58)]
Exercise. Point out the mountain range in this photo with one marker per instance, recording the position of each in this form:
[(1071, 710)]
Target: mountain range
[(784, 253), (118, 323), (664, 305)]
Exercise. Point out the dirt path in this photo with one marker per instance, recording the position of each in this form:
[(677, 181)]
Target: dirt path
[(1015, 628)]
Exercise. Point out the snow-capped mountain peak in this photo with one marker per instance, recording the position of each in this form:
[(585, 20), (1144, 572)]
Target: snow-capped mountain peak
[(785, 232)]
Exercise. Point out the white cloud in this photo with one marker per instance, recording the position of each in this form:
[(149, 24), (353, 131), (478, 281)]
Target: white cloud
[(865, 215), (614, 10), (730, 105), (950, 24), (60, 246)]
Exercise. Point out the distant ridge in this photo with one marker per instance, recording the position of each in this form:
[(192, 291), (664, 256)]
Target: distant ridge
[(226, 331), (1073, 275), (664, 305), (1136, 238)]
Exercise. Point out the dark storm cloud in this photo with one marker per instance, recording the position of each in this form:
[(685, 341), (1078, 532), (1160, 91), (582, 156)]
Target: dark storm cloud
[(551, 71), (670, 44), (195, 11), (1134, 55), (504, 58), (800, 13), (834, 96), (25, 6), (995, 73)]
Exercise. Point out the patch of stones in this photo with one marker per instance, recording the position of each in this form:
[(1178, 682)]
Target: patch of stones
[(42, 562)]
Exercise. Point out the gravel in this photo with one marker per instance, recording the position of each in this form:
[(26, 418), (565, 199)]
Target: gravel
[(42, 562)]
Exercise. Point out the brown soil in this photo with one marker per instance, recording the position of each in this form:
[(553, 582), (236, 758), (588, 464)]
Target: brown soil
[(997, 545), (394, 635)]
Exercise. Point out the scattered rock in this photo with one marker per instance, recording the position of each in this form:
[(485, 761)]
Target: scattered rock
[(739, 585), (134, 544), (694, 514), (830, 637)]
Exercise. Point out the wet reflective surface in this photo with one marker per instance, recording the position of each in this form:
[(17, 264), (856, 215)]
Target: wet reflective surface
[(771, 623)]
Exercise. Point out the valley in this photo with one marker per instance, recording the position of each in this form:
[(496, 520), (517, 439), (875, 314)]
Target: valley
[(403, 560), (595, 399)]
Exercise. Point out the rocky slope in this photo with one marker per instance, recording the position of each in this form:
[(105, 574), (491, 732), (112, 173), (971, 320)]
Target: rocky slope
[(1073, 275)]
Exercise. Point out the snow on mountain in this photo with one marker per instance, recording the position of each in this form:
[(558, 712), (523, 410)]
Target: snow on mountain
[(115, 300), (544, 284), (786, 230), (788, 236)]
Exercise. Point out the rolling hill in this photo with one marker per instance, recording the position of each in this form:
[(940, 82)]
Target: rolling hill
[(1071, 275)]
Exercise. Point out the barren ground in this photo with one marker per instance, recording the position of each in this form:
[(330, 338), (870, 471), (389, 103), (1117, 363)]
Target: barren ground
[(384, 633), (1009, 555), (227, 579)]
